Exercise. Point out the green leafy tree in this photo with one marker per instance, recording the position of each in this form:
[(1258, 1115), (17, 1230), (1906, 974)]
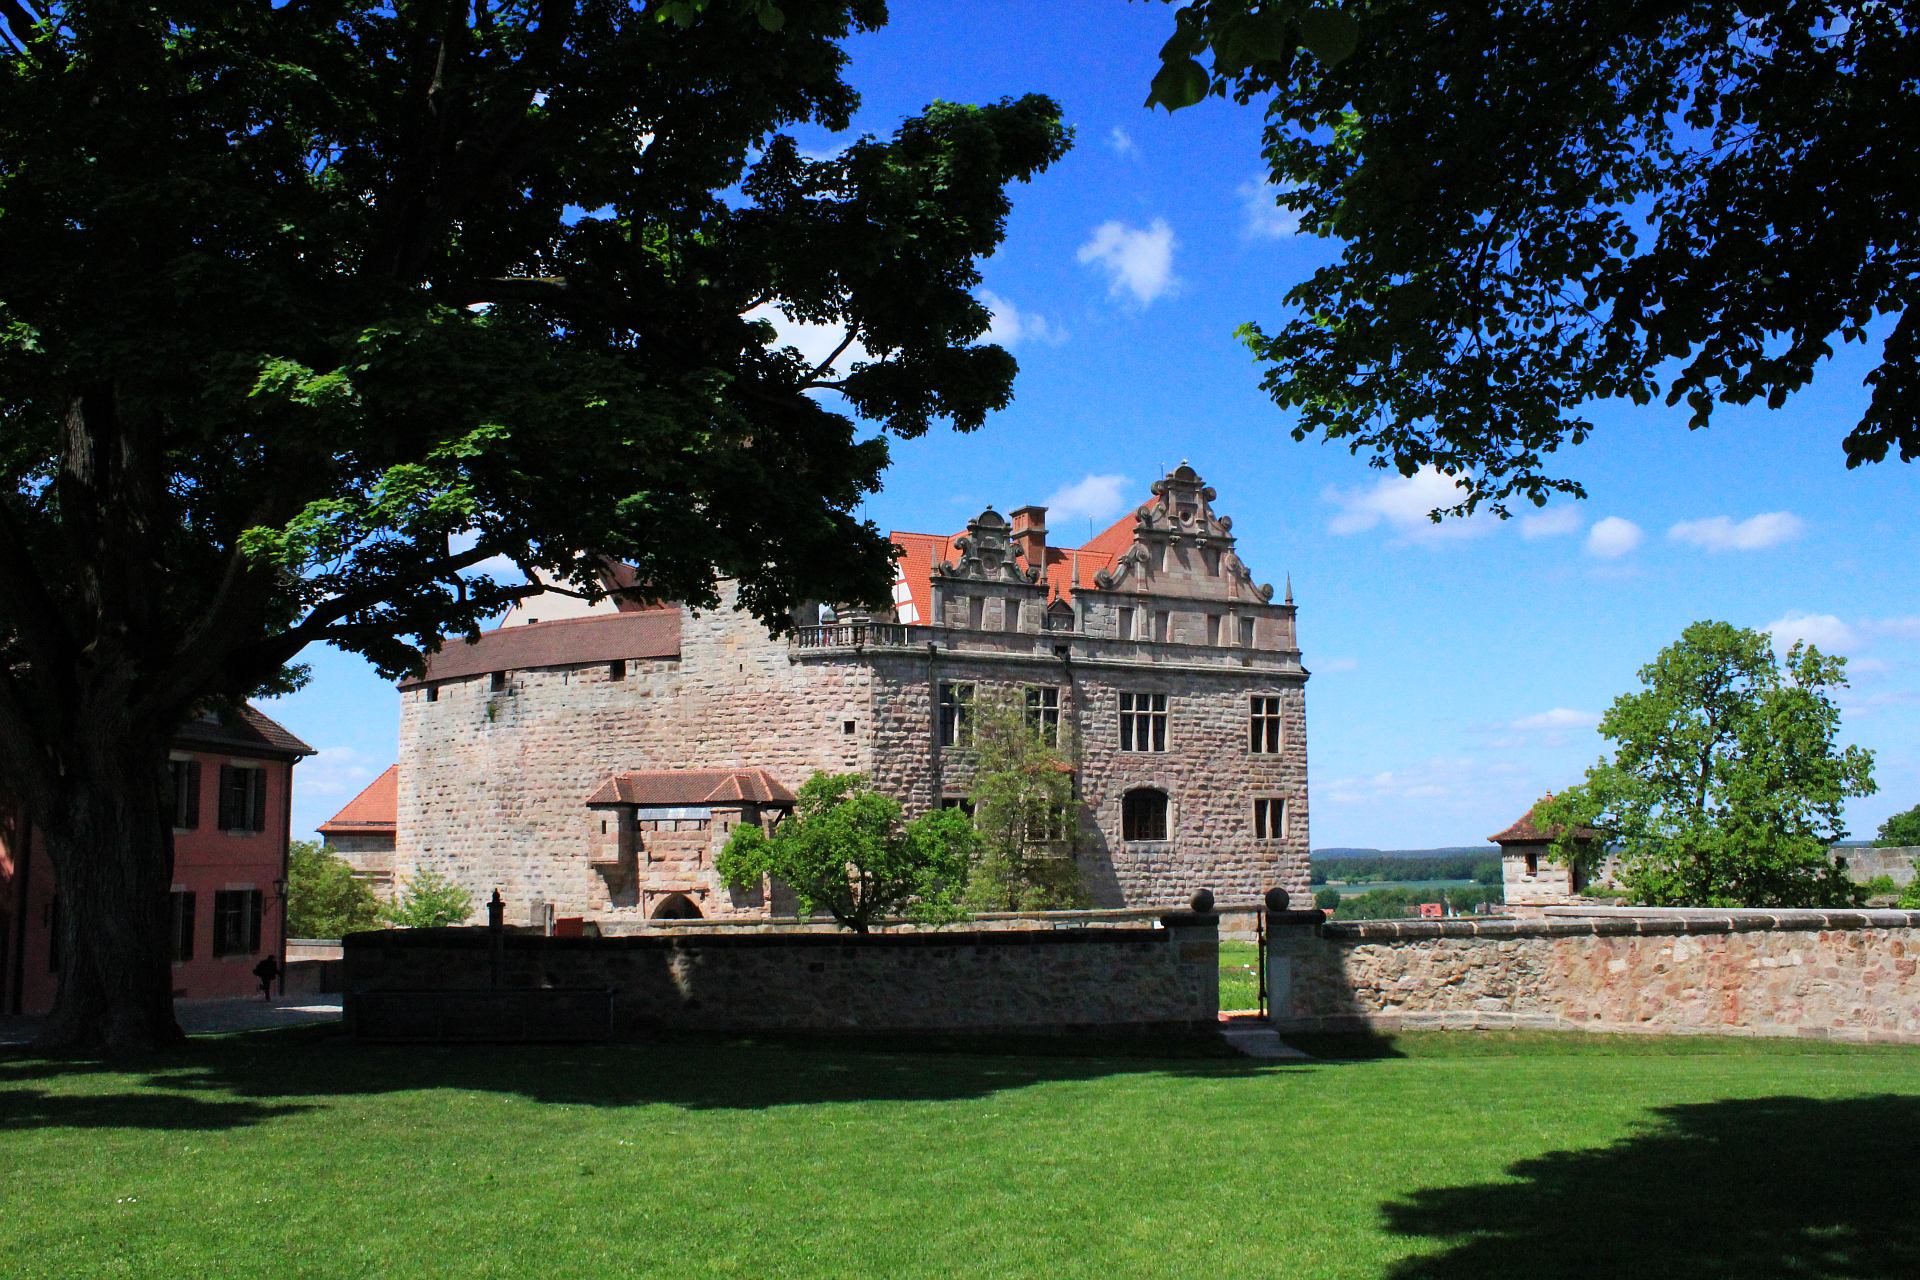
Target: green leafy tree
[(1900, 831), (1726, 783), (1024, 808), (429, 901), (1910, 896), (1550, 203), (1327, 899), (324, 899), (311, 311), (847, 851)]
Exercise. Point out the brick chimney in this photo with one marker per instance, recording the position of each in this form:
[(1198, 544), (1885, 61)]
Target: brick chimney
[(1030, 538)]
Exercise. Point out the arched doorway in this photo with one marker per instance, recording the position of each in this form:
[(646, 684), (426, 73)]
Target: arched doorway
[(676, 906)]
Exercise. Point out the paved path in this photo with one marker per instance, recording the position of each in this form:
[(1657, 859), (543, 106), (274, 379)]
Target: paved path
[(1251, 1035), (204, 1017)]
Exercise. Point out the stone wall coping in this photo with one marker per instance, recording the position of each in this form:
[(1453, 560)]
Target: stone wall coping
[(478, 938), (1039, 919), (1630, 922), (1888, 915)]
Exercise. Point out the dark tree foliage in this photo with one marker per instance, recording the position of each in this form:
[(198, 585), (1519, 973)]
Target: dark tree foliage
[(1901, 830), (1549, 203), (309, 310)]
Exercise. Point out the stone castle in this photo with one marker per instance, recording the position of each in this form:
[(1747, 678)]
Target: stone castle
[(590, 760)]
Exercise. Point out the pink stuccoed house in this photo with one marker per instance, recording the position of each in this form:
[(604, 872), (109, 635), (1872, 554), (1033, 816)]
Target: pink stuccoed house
[(232, 784)]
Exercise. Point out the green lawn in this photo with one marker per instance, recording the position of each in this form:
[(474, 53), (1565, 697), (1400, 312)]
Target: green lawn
[(295, 1154), (1239, 982)]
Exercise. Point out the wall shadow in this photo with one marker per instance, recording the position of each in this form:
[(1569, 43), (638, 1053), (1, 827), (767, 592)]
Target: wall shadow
[(1759, 1188), (241, 1079)]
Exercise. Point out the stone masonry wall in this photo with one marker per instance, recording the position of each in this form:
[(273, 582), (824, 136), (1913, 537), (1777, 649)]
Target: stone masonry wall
[(1843, 975), (1147, 979), (493, 792)]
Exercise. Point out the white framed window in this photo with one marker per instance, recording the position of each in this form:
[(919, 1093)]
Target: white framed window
[(1143, 722), (1263, 725), (956, 714), (1043, 712)]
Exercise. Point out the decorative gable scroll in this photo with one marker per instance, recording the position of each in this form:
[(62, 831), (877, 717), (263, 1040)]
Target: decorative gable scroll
[(986, 553), (1180, 518)]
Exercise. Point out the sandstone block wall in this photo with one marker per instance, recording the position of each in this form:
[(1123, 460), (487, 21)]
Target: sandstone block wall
[(1897, 863), (1844, 975), (1148, 979)]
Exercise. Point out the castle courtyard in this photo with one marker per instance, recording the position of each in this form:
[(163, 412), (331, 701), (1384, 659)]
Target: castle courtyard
[(301, 1154)]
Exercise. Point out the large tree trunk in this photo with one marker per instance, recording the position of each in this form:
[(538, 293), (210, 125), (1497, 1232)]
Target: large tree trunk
[(111, 845)]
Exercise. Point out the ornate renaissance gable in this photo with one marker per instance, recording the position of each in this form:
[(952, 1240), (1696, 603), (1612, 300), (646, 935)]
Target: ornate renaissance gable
[(1180, 547)]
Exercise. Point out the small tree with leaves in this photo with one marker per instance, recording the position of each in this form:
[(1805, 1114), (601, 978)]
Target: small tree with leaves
[(1900, 831), (324, 898), (430, 901), (847, 851), (1726, 782), (1023, 808)]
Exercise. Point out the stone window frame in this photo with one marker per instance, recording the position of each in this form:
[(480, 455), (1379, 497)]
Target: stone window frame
[(1266, 724), (1127, 830), (1041, 718), (1270, 818), (1148, 723), (956, 701)]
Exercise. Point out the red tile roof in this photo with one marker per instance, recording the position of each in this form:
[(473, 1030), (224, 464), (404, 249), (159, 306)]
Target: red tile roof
[(672, 788), (914, 569), (374, 811), (650, 633), (244, 729), (1525, 832)]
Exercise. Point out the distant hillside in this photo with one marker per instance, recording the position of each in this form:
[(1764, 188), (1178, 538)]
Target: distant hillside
[(1446, 851)]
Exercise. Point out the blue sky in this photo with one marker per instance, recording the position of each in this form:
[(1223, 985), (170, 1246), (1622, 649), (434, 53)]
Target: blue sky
[(1458, 671)]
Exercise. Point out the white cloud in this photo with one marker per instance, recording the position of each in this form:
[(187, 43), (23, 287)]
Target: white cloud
[(1121, 141), (1136, 262), (1326, 665), (1558, 718), (1821, 630), (338, 772), (814, 342), (1447, 782), (1095, 498), (1265, 219), (1755, 533), (1012, 326), (1613, 537), (1402, 503), (1555, 522)]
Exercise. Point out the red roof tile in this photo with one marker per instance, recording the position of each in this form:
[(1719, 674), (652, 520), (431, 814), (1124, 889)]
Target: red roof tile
[(244, 729), (651, 633), (374, 811), (672, 788), (1525, 832), (914, 569)]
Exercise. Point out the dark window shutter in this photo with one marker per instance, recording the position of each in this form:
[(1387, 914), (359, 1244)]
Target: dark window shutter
[(259, 794), (228, 818), (253, 922), (191, 818)]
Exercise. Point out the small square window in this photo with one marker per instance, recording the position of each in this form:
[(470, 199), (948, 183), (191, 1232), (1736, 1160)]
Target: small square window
[(617, 669), (1269, 818), (847, 727), (433, 693), (497, 682)]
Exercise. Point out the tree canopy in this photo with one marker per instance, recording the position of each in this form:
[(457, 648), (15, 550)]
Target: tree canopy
[(1024, 808), (1901, 830), (1550, 203), (428, 901), (1726, 782), (847, 851), (313, 315), (324, 898)]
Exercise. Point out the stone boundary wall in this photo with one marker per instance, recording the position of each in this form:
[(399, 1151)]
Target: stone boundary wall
[(1163, 979), (1843, 975), (1238, 920), (1898, 863)]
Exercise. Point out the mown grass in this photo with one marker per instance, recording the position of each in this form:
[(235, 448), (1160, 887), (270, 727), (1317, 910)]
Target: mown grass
[(296, 1154), (1239, 979)]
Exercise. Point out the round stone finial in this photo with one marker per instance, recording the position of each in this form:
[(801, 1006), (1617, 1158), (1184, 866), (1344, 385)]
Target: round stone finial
[(1277, 899), (1203, 901)]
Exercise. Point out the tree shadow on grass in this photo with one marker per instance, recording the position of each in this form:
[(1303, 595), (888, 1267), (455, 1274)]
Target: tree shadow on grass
[(1765, 1187), (241, 1079)]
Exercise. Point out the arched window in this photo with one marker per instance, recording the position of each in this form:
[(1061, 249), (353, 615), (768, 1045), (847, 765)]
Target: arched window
[(676, 906), (1143, 814)]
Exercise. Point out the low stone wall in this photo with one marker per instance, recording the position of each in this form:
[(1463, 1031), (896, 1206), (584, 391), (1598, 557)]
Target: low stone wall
[(1158, 979), (1237, 920), (1841, 974)]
